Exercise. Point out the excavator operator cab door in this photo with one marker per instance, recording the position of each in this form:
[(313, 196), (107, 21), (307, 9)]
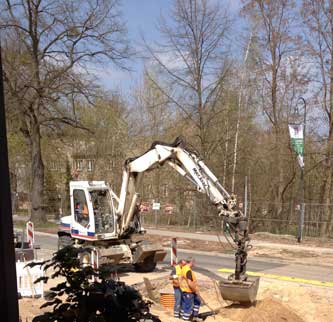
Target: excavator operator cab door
[(81, 212), (103, 212), (92, 211)]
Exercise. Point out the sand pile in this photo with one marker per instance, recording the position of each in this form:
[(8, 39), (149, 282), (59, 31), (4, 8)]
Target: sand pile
[(266, 310)]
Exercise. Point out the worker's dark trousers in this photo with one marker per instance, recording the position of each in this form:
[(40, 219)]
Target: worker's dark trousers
[(190, 305), (196, 305), (178, 302)]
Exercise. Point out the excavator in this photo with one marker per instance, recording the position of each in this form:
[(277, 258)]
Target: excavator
[(106, 222)]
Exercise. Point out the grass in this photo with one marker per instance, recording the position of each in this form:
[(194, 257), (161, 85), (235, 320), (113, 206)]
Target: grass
[(19, 224)]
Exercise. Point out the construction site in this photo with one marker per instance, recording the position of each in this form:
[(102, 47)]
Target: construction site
[(104, 251), (280, 298), (166, 160)]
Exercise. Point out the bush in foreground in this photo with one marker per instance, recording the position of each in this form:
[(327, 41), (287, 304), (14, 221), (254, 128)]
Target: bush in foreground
[(78, 299)]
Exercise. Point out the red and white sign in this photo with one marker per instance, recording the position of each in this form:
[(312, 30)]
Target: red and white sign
[(168, 209), (30, 233), (144, 207)]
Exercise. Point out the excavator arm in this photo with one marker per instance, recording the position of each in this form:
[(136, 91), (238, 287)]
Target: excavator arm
[(187, 163)]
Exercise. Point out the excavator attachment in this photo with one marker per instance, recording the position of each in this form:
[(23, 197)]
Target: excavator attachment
[(244, 292), (239, 287)]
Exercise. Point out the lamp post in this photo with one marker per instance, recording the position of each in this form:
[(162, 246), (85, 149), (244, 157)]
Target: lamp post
[(297, 135)]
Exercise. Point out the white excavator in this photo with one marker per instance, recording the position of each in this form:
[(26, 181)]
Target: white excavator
[(106, 222)]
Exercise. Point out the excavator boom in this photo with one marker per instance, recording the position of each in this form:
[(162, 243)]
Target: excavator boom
[(187, 163)]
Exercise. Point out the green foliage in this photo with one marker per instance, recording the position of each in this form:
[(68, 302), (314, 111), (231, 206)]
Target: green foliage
[(78, 299)]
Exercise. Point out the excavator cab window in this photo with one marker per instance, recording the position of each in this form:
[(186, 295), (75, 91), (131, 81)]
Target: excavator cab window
[(81, 212), (103, 211)]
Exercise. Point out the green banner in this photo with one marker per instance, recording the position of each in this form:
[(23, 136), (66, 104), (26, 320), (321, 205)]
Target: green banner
[(296, 132), (298, 146)]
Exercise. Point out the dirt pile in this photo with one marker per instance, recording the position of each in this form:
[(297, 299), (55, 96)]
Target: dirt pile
[(266, 310)]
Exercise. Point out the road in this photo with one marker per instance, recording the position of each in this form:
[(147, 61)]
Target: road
[(214, 237), (209, 263)]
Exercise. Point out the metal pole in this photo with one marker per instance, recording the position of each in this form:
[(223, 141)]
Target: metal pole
[(8, 289), (245, 197), (302, 210), (195, 215)]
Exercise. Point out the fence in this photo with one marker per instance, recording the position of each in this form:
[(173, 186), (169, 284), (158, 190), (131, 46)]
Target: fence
[(263, 217)]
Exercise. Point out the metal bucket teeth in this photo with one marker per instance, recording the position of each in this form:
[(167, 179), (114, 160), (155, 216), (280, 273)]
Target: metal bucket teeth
[(244, 292)]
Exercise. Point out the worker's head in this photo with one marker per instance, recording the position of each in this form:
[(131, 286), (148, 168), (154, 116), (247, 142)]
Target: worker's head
[(182, 262), (190, 261)]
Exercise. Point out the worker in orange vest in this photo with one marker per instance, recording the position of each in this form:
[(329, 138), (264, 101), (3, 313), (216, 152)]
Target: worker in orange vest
[(190, 292), (175, 277)]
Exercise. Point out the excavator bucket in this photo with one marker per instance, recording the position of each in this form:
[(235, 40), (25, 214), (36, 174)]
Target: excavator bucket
[(244, 292)]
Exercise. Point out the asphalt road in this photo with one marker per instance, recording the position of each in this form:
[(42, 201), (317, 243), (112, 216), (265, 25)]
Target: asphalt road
[(209, 263)]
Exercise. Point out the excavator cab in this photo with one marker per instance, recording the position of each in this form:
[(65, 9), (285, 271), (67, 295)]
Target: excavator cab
[(103, 211), (93, 212)]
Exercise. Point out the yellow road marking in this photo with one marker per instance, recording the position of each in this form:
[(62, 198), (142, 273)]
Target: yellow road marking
[(281, 278)]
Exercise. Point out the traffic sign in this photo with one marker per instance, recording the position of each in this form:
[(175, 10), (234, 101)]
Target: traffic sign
[(156, 206), (144, 207), (168, 209)]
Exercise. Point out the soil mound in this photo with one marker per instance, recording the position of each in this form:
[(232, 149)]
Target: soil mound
[(266, 310)]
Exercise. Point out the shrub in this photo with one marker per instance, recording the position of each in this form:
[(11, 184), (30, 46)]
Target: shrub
[(78, 299)]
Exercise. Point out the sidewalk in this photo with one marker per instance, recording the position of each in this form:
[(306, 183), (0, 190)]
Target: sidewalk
[(254, 242)]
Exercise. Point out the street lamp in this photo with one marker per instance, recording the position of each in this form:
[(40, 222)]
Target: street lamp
[(297, 135)]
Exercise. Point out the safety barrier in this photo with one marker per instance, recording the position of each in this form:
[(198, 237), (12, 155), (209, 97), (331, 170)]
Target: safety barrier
[(94, 258), (26, 276), (30, 233), (173, 251)]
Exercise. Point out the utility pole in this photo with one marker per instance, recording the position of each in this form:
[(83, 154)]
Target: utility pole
[(8, 289), (301, 221)]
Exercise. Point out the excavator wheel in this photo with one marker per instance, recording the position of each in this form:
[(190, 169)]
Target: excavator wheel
[(148, 264)]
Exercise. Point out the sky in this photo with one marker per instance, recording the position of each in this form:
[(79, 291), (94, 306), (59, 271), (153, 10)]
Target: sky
[(141, 17)]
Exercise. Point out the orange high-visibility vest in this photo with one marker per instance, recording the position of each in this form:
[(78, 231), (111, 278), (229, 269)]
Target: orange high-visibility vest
[(183, 280)]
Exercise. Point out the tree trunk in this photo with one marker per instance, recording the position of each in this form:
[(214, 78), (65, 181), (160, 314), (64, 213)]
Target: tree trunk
[(279, 186), (37, 172)]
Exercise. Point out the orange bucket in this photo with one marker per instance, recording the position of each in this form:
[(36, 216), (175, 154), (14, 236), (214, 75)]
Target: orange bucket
[(167, 299)]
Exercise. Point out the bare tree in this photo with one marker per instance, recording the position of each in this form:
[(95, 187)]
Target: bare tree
[(49, 46), (192, 62), (240, 97), (277, 70), (318, 20)]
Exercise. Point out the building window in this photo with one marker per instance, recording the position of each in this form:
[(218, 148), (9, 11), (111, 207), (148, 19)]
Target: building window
[(149, 190), (112, 164), (165, 190), (90, 165), (53, 165), (78, 165)]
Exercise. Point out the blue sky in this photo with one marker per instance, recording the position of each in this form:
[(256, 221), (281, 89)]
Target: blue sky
[(141, 17)]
